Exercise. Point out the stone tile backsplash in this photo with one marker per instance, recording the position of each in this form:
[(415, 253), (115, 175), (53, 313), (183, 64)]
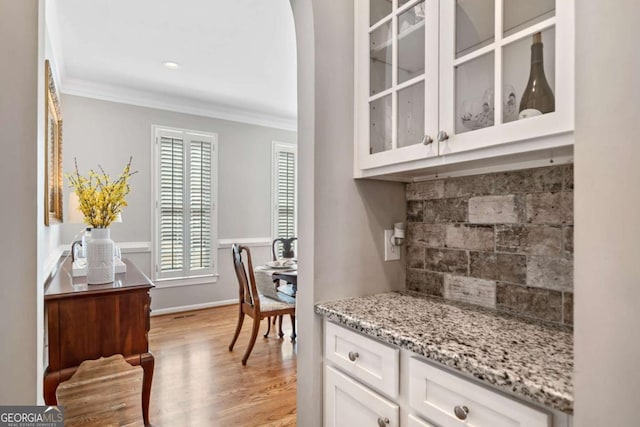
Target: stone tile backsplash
[(502, 240)]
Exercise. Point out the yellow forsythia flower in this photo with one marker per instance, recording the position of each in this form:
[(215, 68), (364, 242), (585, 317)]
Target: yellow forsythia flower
[(101, 199)]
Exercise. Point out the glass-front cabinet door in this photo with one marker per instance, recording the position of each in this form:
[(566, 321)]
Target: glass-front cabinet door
[(479, 78), (396, 81), (506, 71)]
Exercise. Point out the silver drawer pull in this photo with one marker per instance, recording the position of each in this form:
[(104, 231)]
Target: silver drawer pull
[(461, 412), (353, 355), (427, 140), (382, 422)]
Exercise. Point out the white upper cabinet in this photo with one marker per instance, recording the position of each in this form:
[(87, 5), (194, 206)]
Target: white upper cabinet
[(442, 82)]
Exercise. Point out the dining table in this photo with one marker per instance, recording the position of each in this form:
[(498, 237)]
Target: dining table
[(268, 281)]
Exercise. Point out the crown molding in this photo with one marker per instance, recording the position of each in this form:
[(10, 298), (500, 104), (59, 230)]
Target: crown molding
[(140, 98)]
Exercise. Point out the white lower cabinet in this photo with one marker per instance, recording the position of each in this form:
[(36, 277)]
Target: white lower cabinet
[(350, 404), (369, 383), (372, 362), (450, 400), (417, 422)]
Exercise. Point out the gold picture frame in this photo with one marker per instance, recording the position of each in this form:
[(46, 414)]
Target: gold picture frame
[(53, 152)]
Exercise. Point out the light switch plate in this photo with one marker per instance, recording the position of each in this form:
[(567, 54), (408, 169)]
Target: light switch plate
[(391, 253)]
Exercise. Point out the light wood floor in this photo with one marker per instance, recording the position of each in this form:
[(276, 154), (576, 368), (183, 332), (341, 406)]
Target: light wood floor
[(198, 382)]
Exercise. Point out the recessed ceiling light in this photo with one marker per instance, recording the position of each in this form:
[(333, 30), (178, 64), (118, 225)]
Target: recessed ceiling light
[(171, 65)]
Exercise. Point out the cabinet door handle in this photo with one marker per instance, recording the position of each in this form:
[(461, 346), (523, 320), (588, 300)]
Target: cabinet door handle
[(383, 422), (427, 140), (442, 136), (353, 355), (461, 412)]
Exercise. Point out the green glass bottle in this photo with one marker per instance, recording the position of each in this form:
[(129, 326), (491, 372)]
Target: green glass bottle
[(538, 97)]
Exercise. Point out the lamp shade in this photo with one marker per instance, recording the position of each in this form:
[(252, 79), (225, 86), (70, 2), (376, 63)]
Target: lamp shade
[(75, 215)]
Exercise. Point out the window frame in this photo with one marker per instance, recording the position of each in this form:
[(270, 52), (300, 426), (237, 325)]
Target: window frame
[(185, 276), (277, 146)]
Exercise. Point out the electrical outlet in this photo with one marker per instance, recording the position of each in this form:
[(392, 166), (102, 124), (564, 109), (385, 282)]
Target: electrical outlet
[(391, 253)]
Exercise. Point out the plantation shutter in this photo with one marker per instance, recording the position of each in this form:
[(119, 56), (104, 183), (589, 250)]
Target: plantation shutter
[(171, 233), (285, 193), (200, 206), (185, 204)]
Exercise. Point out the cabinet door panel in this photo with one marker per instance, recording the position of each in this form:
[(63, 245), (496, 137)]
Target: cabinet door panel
[(485, 64), (349, 403), (396, 83), (374, 363), (411, 115), (114, 323), (439, 395), (418, 422)]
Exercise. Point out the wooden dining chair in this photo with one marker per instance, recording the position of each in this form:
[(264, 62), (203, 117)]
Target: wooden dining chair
[(106, 392), (252, 303), (287, 252), (287, 249)]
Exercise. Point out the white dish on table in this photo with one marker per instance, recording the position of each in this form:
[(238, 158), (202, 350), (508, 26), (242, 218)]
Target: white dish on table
[(283, 264)]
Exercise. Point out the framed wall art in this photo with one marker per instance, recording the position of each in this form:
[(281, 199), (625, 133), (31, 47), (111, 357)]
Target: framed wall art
[(53, 152)]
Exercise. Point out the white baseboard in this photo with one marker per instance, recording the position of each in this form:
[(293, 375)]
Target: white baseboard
[(170, 310)]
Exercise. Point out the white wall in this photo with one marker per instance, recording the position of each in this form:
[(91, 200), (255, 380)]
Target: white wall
[(341, 220), (107, 133), (19, 105), (607, 223)]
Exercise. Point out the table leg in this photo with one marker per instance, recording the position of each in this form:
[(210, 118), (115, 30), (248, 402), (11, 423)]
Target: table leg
[(147, 362)]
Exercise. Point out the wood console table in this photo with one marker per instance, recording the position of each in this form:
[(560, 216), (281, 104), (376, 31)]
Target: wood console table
[(85, 322)]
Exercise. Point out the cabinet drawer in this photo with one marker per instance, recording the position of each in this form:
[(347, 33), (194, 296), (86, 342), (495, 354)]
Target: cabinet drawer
[(417, 422), (370, 361), (435, 394), (347, 403)]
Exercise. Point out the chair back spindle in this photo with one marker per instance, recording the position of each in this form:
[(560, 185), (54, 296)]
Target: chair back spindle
[(246, 279)]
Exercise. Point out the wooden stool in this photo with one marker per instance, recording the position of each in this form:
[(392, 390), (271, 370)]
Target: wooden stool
[(103, 393)]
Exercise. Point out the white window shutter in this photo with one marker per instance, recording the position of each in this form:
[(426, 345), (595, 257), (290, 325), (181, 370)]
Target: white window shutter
[(171, 221), (285, 194), (186, 239), (200, 204)]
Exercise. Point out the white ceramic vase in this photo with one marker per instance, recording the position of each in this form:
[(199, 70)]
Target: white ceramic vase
[(100, 266)]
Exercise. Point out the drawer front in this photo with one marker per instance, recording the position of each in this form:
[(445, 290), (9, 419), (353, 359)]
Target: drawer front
[(370, 361), (418, 422), (347, 403), (435, 394)]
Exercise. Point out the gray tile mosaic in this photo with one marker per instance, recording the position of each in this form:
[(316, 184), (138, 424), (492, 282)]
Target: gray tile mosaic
[(426, 282), (529, 239), (425, 190), (446, 210), (470, 290), (550, 273), (445, 260), (495, 209), (472, 237), (498, 266), (543, 304), (513, 227), (478, 185)]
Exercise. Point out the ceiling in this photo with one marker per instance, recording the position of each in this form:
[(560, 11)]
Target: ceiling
[(237, 58)]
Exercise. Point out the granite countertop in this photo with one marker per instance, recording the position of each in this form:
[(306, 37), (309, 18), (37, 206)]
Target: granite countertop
[(532, 359)]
